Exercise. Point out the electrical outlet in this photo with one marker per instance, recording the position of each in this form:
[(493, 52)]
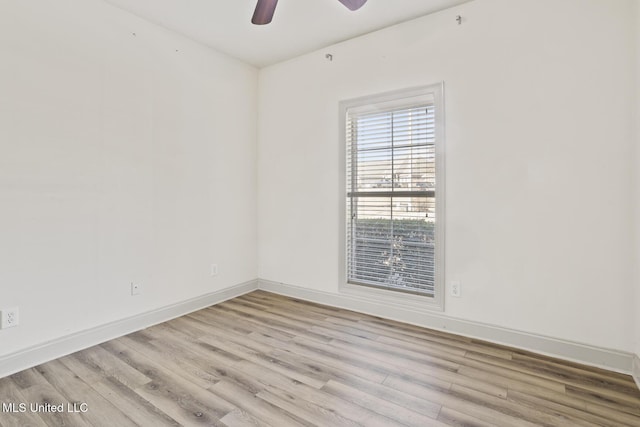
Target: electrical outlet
[(456, 288), (136, 288), (214, 269), (9, 318)]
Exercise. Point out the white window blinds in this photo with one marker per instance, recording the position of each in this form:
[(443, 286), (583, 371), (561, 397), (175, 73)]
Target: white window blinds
[(391, 194)]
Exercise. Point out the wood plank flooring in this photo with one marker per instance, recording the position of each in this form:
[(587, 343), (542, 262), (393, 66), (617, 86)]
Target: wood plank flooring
[(267, 360)]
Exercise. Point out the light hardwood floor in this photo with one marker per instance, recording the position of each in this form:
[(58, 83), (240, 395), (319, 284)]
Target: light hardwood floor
[(267, 360)]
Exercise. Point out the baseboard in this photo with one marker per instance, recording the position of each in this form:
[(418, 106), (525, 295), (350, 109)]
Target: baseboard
[(60, 347), (590, 355), (613, 360), (636, 369)]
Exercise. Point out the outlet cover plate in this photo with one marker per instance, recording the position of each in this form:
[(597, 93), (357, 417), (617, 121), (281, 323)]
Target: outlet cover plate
[(456, 288), (136, 288), (9, 318)]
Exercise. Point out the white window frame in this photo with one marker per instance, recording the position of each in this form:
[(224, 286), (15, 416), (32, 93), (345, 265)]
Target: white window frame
[(381, 295)]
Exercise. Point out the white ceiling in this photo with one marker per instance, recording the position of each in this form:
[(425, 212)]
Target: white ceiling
[(298, 27)]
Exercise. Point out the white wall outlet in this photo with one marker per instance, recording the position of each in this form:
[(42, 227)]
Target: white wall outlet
[(456, 288), (9, 318), (136, 288), (214, 269)]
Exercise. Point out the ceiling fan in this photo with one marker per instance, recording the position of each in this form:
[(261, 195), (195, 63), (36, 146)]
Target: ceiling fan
[(265, 9)]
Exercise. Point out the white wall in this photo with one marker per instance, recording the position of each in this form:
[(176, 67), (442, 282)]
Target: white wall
[(539, 167), (133, 158), (637, 183), (122, 158)]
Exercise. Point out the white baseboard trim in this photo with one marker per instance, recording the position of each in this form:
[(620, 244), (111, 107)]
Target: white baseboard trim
[(613, 360), (636, 369), (41, 353)]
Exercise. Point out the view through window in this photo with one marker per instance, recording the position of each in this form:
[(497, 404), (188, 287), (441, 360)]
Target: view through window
[(392, 194)]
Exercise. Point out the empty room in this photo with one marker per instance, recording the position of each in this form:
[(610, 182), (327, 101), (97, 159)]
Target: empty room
[(320, 213)]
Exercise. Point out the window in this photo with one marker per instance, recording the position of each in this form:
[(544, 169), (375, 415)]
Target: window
[(394, 182)]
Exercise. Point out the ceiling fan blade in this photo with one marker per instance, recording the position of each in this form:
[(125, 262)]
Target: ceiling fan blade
[(264, 12), (353, 4)]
